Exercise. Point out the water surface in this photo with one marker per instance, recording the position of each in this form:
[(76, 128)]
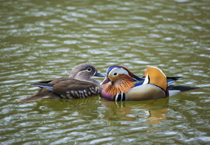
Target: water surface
[(40, 40)]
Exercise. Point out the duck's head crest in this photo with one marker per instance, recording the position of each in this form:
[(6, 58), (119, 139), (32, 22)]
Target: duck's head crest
[(113, 71), (120, 79)]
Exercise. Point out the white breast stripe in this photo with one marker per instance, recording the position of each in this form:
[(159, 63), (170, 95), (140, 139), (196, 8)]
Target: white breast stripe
[(116, 97), (121, 96)]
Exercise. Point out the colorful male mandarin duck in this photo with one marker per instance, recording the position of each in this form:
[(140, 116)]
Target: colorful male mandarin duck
[(78, 85), (125, 86)]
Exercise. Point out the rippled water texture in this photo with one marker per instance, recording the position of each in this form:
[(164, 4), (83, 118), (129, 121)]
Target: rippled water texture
[(40, 40)]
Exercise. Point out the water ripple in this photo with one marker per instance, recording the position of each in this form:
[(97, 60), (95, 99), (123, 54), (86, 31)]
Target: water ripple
[(44, 40)]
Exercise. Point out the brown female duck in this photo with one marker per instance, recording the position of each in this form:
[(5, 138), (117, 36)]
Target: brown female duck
[(78, 85)]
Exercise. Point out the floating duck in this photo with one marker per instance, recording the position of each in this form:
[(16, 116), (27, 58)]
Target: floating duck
[(125, 86), (78, 85)]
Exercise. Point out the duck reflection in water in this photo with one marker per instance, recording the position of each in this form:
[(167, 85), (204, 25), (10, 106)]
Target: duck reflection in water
[(153, 110)]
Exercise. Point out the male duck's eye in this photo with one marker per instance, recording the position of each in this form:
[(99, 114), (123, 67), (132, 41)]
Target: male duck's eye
[(115, 74), (89, 69)]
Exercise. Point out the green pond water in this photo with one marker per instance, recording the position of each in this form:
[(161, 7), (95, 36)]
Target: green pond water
[(40, 40)]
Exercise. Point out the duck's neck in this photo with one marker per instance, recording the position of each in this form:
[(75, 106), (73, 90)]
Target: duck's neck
[(86, 79), (93, 81)]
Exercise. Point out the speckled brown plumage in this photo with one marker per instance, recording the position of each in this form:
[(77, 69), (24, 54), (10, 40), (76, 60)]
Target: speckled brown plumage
[(78, 85)]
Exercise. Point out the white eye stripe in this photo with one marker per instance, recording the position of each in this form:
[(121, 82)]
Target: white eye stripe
[(119, 71), (87, 70), (84, 71)]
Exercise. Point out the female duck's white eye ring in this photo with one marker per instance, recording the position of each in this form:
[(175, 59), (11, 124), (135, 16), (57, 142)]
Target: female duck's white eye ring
[(89, 69), (115, 74)]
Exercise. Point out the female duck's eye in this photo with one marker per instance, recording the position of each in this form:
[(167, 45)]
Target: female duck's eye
[(115, 74), (89, 69)]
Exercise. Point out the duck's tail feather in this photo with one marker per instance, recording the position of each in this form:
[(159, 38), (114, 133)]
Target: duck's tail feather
[(42, 93), (174, 90), (44, 85), (171, 80)]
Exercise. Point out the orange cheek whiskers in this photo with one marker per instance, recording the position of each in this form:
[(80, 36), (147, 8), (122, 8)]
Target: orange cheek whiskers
[(122, 85)]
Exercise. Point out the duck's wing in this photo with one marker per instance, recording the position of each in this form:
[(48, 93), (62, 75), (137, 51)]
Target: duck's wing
[(71, 88)]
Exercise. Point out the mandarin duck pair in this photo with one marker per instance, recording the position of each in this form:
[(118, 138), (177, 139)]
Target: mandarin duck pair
[(121, 85)]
